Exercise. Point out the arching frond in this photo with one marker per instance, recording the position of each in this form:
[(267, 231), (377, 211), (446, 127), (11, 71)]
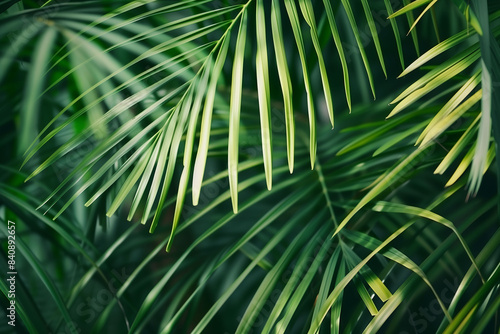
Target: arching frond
[(126, 70)]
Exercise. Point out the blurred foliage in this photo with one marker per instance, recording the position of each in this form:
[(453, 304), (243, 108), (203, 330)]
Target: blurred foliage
[(323, 166)]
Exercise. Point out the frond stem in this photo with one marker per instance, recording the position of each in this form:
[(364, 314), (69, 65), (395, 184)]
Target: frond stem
[(321, 179)]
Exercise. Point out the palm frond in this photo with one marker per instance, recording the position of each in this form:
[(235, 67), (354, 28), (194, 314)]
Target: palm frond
[(442, 74), (136, 106), (97, 74)]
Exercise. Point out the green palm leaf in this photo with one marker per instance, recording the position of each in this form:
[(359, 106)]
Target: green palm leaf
[(123, 110)]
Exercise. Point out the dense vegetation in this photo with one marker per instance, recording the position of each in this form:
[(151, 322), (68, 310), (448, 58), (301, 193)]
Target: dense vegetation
[(304, 165)]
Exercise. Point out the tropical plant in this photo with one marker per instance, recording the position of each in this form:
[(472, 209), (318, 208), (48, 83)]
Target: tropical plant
[(248, 131)]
